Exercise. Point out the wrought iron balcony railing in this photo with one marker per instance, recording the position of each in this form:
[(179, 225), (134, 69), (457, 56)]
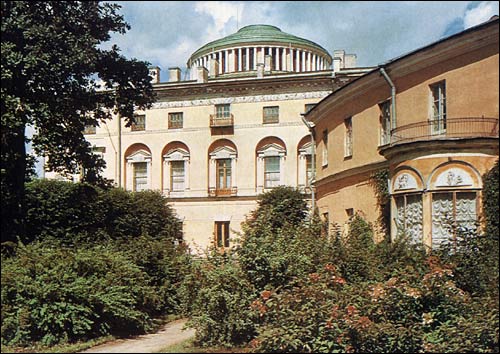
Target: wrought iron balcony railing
[(217, 121), (467, 127)]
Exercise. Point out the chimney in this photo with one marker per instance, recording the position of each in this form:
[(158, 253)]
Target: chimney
[(214, 67), (154, 72), (267, 63), (350, 61), (260, 70), (202, 74), (174, 74), (338, 60)]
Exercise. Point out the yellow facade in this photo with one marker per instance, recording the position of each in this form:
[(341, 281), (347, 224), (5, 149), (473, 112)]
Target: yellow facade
[(437, 140)]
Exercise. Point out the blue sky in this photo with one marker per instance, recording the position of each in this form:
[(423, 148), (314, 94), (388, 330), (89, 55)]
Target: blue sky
[(166, 33)]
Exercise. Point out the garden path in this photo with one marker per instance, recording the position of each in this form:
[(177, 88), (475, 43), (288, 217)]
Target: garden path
[(169, 334)]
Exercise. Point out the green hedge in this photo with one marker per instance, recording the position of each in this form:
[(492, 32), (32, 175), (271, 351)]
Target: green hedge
[(76, 212)]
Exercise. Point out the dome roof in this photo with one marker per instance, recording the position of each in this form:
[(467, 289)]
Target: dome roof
[(258, 34)]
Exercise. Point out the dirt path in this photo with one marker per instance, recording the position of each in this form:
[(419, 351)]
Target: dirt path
[(171, 333)]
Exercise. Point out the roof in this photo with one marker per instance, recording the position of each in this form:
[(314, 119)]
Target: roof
[(258, 34)]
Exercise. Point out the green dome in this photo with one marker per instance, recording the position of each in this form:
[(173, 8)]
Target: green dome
[(264, 34)]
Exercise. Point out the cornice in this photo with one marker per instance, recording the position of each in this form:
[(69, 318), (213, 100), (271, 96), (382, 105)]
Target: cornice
[(371, 167)]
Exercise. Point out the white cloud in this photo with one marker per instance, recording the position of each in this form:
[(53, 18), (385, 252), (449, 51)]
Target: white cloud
[(481, 13), (221, 12)]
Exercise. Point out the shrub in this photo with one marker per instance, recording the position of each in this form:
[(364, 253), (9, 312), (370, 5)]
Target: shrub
[(55, 294), (78, 212), (217, 297)]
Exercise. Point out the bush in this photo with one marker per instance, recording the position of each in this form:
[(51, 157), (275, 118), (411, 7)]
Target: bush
[(55, 294), (217, 297), (78, 212)]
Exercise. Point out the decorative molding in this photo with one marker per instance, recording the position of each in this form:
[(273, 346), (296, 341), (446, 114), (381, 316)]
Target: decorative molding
[(223, 152), (139, 156), (405, 181), (271, 150), (176, 155), (241, 99), (454, 177)]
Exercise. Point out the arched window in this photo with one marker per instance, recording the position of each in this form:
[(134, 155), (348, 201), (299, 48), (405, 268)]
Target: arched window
[(454, 189), (305, 164), (271, 153), (175, 169), (407, 188), (138, 168), (222, 156)]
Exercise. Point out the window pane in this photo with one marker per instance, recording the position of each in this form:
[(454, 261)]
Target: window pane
[(140, 176), (177, 175), (222, 111), (223, 173), (271, 114), (438, 92), (385, 123), (140, 123), (272, 171), (465, 211), (309, 170), (175, 120), (442, 218)]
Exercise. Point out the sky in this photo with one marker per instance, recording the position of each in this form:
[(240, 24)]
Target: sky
[(166, 33)]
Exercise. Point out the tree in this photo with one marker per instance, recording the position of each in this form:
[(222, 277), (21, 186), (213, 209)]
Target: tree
[(52, 66)]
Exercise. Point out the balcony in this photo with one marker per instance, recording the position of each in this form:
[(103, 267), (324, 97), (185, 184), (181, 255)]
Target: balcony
[(452, 128), (412, 136), (221, 121)]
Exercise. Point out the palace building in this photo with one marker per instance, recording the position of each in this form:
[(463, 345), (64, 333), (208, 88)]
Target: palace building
[(213, 143), (430, 119)]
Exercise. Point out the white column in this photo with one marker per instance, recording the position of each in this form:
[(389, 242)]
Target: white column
[(283, 59), (240, 59), (247, 59), (260, 174), (313, 68), (303, 61), (130, 176), (219, 55), (212, 173), (226, 61), (233, 172), (302, 171), (282, 170), (166, 176), (254, 67), (149, 173), (276, 59), (186, 174), (297, 60), (309, 66)]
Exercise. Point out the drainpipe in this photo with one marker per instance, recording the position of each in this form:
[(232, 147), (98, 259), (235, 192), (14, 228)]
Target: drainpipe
[(393, 98), (310, 127)]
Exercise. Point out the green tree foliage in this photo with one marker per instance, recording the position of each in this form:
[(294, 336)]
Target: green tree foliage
[(51, 60), (76, 212)]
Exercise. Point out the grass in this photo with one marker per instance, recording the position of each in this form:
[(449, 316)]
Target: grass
[(189, 346), (58, 348)]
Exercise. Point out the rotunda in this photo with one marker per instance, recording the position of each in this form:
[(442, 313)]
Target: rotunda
[(257, 48)]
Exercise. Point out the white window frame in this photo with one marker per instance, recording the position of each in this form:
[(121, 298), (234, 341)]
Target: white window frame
[(270, 150), (175, 155), (139, 156), (348, 137), (223, 152), (437, 109)]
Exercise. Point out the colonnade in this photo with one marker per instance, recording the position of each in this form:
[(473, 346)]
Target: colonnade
[(243, 59)]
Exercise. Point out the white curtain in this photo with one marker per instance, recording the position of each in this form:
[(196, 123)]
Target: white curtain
[(409, 217), (442, 218), (466, 211)]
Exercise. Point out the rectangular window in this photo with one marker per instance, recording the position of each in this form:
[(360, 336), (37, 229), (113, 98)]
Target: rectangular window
[(325, 148), (326, 223), (271, 114), (140, 176), (175, 120), (438, 108), (385, 122), (177, 176), (223, 110), (452, 212), (222, 233), (348, 137), (89, 129), (308, 107), (271, 171), (309, 170), (140, 123), (349, 212), (409, 218), (223, 176)]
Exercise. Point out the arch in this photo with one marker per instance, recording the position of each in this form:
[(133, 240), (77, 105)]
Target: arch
[(454, 174), (304, 146), (175, 169), (137, 171), (270, 142), (406, 179), (305, 173), (222, 145)]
